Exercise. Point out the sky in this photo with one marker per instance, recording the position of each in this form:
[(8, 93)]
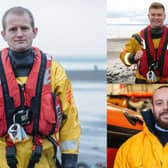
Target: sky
[(66, 27), (131, 11)]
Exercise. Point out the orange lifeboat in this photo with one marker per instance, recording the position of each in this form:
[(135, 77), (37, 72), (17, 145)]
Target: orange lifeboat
[(122, 123)]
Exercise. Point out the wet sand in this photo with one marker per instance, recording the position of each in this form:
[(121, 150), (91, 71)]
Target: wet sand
[(90, 98), (117, 72)]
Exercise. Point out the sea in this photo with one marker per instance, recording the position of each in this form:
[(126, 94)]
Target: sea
[(77, 63), (122, 30), (90, 99)]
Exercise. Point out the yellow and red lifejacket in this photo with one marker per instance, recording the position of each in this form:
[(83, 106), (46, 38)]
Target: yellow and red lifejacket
[(150, 55), (44, 106)]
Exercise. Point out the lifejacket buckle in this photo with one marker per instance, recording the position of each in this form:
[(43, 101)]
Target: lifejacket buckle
[(24, 135), (151, 77), (15, 133), (154, 66), (23, 117)]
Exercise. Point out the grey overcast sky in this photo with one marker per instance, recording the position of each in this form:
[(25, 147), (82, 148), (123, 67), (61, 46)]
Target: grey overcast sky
[(131, 11), (66, 27)]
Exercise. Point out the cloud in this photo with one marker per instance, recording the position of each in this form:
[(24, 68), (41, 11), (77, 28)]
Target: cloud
[(124, 17), (134, 12)]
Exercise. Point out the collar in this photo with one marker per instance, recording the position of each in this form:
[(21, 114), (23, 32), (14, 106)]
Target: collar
[(156, 32), (159, 128), (149, 119)]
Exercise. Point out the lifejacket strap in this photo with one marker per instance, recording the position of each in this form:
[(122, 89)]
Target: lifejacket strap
[(11, 153), (54, 143), (161, 60), (8, 101), (149, 57), (38, 93), (36, 151)]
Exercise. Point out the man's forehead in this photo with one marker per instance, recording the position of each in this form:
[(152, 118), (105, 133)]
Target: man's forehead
[(156, 10), (162, 92), (17, 17), (17, 14)]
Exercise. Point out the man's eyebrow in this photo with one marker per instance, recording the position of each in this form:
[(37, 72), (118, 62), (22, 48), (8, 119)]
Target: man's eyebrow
[(158, 100)]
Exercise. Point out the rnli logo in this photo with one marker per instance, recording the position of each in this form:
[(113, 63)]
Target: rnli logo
[(47, 77)]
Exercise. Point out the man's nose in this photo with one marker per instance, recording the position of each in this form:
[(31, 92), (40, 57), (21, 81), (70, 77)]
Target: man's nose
[(19, 32), (165, 105)]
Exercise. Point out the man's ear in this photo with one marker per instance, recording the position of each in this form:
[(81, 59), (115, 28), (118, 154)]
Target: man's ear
[(148, 15), (35, 31), (3, 35), (164, 16), (151, 106)]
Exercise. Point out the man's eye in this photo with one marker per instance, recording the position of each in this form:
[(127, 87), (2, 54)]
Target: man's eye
[(13, 29), (24, 28), (159, 103)]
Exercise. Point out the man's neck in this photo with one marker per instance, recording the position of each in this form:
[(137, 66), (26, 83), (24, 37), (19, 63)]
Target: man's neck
[(160, 128), (22, 61), (157, 32)]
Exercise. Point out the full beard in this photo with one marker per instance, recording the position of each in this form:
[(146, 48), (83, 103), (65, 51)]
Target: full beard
[(162, 120)]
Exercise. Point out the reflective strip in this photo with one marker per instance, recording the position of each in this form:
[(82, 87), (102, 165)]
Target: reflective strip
[(68, 145), (49, 57), (59, 114), (126, 59), (143, 43), (47, 76)]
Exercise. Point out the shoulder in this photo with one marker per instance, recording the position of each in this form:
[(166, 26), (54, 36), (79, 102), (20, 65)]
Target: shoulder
[(130, 152), (137, 37), (59, 77), (57, 69), (132, 144)]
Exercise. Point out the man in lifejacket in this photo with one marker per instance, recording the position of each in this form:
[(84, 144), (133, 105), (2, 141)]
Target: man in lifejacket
[(148, 49), (149, 147), (37, 109)]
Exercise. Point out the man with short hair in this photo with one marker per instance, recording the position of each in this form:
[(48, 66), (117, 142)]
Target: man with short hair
[(38, 112), (148, 148), (148, 48)]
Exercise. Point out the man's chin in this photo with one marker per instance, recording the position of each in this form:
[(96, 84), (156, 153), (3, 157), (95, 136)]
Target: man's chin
[(20, 49), (163, 123), (156, 26)]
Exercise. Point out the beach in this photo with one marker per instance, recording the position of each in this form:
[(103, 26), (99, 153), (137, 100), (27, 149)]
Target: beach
[(117, 72), (90, 100), (117, 35)]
